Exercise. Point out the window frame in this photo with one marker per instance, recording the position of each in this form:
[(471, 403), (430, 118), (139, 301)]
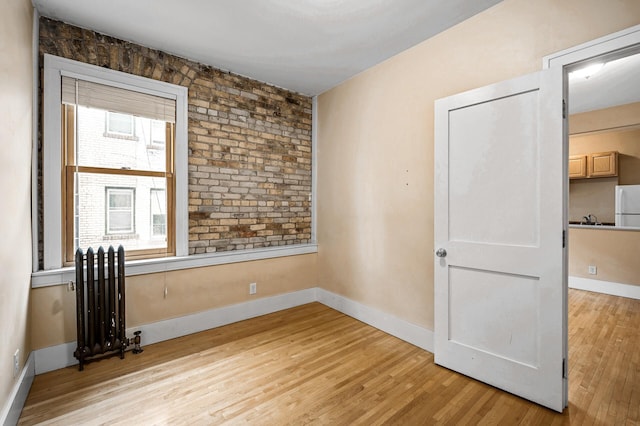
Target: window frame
[(53, 166)]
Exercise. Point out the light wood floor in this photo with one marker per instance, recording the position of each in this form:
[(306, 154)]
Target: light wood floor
[(311, 364)]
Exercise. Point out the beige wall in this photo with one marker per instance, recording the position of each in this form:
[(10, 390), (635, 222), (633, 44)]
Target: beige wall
[(593, 197), (188, 291), (375, 153), (16, 70), (609, 118), (615, 253)]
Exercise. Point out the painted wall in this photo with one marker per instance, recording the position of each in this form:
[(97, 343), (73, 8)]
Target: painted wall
[(375, 154), (615, 253), (16, 70), (609, 118), (188, 291)]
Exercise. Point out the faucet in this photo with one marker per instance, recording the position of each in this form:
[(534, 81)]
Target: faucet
[(589, 220)]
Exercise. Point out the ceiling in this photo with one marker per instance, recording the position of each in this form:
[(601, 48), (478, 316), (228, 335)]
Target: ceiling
[(308, 46), (617, 83)]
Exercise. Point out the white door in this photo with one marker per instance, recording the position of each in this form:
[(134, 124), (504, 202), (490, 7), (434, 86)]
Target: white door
[(499, 219)]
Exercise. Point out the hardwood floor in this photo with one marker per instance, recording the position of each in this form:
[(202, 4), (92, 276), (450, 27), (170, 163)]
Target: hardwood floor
[(312, 364)]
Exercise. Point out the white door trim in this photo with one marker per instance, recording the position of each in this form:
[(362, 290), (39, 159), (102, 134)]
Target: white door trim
[(600, 46)]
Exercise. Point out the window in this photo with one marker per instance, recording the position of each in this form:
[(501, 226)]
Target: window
[(120, 124), (158, 213), (118, 181), (105, 175), (71, 167), (120, 208)]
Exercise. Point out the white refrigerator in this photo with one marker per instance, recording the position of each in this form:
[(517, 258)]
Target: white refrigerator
[(628, 205)]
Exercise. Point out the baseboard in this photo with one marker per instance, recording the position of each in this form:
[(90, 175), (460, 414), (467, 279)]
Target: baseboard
[(404, 330), (55, 357), (13, 406), (61, 356), (606, 287), (194, 323)]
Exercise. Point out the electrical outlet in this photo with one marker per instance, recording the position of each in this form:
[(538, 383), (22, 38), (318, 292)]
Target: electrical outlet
[(253, 288), (16, 363), (593, 270)]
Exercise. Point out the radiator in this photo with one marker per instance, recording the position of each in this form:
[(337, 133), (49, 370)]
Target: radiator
[(100, 305)]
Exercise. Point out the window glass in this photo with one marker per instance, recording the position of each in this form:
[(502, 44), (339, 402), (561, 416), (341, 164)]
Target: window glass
[(116, 187), (95, 148), (120, 209)]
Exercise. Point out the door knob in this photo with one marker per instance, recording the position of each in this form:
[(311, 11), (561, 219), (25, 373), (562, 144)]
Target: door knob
[(441, 252)]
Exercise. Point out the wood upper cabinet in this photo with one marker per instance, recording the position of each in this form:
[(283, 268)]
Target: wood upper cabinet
[(603, 164), (594, 165), (577, 166)]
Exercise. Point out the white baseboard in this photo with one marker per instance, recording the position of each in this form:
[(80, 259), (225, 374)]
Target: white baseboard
[(55, 357), (416, 335), (13, 406), (606, 287), (60, 356), (194, 323)]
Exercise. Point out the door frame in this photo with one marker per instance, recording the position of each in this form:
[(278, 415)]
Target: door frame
[(613, 45), (592, 49)]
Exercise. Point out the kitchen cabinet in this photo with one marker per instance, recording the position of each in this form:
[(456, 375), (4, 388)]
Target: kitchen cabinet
[(577, 166), (603, 164), (594, 165)]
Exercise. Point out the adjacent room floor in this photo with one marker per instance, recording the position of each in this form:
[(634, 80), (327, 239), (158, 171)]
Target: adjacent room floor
[(312, 364)]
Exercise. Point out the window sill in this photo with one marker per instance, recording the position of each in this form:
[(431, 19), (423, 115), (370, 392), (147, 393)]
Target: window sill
[(62, 276)]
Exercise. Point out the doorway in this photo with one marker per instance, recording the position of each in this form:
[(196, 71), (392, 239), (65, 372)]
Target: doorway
[(604, 159), (624, 48)]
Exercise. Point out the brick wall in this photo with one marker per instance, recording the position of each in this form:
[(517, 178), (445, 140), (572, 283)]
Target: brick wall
[(249, 143)]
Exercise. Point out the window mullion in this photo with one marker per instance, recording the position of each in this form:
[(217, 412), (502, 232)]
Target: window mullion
[(128, 172)]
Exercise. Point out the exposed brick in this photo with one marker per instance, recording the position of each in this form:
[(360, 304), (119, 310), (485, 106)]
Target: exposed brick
[(249, 142)]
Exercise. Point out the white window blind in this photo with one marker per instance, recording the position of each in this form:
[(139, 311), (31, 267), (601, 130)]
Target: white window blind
[(115, 99)]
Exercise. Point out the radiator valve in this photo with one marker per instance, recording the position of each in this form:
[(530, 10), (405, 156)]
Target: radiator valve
[(136, 342)]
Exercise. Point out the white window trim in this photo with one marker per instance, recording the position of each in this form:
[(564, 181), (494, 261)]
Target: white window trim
[(62, 276), (54, 68)]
